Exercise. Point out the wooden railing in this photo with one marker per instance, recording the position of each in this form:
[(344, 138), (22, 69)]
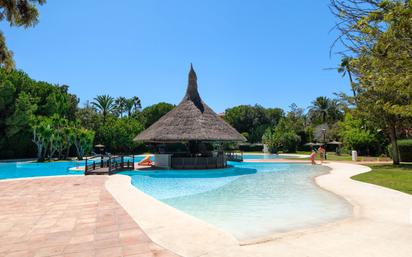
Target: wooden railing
[(110, 164)]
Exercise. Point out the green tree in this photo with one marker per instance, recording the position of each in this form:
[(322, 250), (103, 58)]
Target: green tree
[(119, 106), (88, 118), (83, 141), (60, 102), (118, 134), (137, 104), (252, 119), (39, 137), (104, 104), (153, 113), (345, 68), (354, 134), (269, 140), (325, 110), (378, 33), (282, 137), (319, 109), (133, 106), (25, 108), (7, 91), (21, 13)]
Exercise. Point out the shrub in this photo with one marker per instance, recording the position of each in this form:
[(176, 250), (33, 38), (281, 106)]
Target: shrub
[(405, 150), (282, 137)]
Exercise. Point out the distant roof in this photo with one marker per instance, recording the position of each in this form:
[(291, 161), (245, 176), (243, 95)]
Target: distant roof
[(191, 120)]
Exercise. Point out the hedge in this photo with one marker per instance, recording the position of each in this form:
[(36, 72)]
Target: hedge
[(405, 150)]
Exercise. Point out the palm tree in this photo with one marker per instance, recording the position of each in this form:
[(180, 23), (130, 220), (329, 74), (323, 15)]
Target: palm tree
[(120, 105), (345, 68), (325, 110), (320, 108), (335, 112), (129, 105), (104, 104), (137, 103)]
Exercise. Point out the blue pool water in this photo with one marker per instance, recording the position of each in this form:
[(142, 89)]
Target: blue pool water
[(32, 169), (12, 169), (252, 200)]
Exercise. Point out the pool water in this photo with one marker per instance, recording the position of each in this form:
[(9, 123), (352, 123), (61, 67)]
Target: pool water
[(26, 169), (10, 170), (252, 200)]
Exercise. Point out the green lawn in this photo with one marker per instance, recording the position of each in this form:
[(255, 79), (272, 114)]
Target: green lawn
[(398, 177)]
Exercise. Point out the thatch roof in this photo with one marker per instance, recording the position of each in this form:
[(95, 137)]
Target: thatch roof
[(191, 120)]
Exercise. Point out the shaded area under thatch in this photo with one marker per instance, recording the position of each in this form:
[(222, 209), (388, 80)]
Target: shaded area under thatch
[(191, 120)]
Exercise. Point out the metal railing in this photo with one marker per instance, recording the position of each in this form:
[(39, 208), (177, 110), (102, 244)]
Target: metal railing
[(234, 156)]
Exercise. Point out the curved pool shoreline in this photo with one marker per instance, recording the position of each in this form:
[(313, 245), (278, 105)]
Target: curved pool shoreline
[(286, 199), (176, 230)]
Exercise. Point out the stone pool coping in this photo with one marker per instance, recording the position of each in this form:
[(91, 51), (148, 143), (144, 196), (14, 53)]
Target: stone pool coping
[(380, 225)]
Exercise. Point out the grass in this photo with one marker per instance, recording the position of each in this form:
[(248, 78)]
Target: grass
[(398, 177)]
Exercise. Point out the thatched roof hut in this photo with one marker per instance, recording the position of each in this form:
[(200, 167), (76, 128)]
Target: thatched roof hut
[(191, 120)]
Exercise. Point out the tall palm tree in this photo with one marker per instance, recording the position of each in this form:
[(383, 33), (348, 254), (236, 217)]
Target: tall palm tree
[(320, 108), (345, 68), (137, 103), (335, 111), (120, 105), (104, 104), (129, 105)]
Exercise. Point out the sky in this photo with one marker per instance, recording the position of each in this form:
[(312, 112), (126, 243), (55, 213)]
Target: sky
[(270, 52)]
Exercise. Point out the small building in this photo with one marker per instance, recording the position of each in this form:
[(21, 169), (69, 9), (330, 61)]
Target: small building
[(187, 136)]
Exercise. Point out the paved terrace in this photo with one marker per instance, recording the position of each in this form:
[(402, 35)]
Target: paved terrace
[(68, 216)]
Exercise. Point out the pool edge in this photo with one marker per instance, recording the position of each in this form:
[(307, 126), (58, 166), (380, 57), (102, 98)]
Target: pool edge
[(127, 195)]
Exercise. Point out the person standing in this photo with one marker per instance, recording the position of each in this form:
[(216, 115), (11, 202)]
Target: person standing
[(321, 152), (312, 157)]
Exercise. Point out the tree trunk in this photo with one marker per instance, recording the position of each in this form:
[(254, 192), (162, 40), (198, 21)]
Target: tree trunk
[(66, 155), (43, 157), (39, 152), (60, 153), (79, 150), (351, 83), (395, 149)]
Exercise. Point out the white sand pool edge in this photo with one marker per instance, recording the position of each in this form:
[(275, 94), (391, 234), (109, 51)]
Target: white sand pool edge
[(380, 214)]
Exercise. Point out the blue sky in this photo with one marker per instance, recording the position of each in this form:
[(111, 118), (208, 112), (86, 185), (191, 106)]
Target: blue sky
[(271, 52)]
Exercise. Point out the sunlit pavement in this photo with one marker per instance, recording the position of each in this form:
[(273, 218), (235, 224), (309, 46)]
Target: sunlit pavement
[(68, 216)]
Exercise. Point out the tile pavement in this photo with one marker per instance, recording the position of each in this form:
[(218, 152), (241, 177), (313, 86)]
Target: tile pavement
[(69, 217)]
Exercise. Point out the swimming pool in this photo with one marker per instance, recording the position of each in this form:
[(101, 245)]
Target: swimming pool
[(10, 170), (27, 169), (253, 200)]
